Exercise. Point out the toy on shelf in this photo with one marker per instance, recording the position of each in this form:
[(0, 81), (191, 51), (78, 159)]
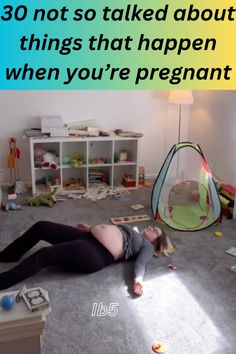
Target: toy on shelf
[(73, 184), (123, 155), (45, 159), (48, 184), (39, 151), (75, 164), (99, 161), (116, 157), (50, 160), (49, 181), (66, 160), (75, 160), (98, 176), (129, 181)]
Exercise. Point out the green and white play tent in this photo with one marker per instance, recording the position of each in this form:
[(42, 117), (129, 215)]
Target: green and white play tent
[(184, 195)]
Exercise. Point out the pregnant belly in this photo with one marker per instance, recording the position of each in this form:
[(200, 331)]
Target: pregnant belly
[(111, 238)]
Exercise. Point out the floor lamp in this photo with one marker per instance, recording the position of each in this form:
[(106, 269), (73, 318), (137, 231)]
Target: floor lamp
[(180, 97)]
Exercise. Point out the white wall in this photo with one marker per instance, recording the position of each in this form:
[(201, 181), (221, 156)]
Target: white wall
[(212, 125), (142, 111)]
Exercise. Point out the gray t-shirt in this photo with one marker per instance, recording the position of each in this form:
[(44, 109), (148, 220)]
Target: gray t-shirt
[(137, 248)]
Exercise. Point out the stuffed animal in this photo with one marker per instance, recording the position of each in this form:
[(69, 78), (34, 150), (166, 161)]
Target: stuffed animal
[(51, 160), (39, 151), (47, 199), (44, 158)]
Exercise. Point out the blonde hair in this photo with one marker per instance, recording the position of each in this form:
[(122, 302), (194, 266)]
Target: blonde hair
[(163, 246)]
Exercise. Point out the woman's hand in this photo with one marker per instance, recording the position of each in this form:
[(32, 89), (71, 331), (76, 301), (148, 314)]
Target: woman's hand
[(83, 227), (138, 288)]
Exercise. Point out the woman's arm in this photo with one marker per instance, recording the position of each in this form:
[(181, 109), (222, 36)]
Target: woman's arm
[(143, 258)]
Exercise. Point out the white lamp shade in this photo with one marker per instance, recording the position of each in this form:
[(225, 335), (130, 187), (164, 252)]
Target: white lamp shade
[(181, 97)]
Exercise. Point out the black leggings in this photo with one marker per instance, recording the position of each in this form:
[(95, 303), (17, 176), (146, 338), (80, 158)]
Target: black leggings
[(72, 249)]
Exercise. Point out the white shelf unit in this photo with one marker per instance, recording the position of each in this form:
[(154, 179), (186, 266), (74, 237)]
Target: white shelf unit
[(98, 157)]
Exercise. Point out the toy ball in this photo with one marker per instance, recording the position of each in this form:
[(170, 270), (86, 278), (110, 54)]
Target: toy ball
[(7, 302), (218, 234)]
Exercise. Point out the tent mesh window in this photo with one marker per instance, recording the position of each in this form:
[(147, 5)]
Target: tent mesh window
[(184, 195)]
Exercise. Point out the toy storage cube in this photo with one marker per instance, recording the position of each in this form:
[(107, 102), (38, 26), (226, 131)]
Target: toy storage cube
[(21, 331)]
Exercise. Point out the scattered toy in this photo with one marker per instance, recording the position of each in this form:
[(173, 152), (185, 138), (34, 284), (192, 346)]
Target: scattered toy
[(121, 197), (47, 199), (11, 194), (129, 219), (231, 251), (35, 299), (19, 294), (7, 302), (129, 181), (121, 194), (98, 192), (123, 191), (11, 206), (233, 268), (218, 233), (75, 195), (149, 183), (60, 199), (137, 206), (159, 347), (171, 266)]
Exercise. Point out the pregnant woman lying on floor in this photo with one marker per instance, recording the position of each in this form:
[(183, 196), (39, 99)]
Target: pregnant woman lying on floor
[(83, 249)]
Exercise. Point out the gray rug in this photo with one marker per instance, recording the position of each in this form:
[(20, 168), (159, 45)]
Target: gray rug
[(192, 309)]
